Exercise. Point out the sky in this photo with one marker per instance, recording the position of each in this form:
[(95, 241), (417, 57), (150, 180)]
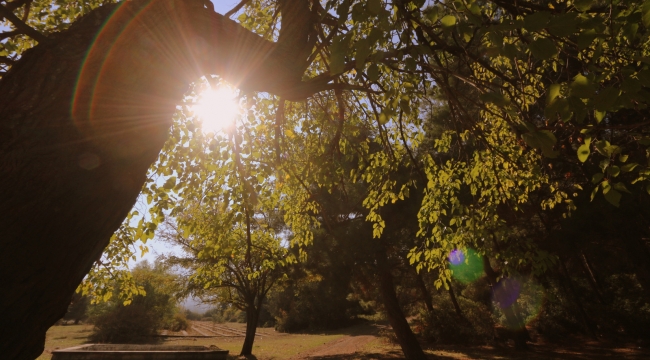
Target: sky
[(222, 6)]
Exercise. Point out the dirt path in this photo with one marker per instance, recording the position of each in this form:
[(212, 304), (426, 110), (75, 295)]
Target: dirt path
[(347, 345)]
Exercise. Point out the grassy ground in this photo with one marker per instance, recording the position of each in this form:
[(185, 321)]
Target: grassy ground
[(364, 342), (61, 337)]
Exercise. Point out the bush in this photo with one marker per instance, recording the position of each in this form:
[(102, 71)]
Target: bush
[(443, 325), (125, 324), (178, 322), (139, 321), (313, 305), (191, 315)]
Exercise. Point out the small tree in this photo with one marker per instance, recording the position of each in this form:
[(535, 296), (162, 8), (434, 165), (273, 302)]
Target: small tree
[(229, 261)]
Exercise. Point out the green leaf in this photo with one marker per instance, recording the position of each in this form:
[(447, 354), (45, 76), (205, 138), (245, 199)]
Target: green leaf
[(645, 11), (583, 5), (613, 197), (363, 50), (548, 141), (552, 93), (543, 48), (448, 21), (599, 115), (585, 38), (433, 14), (563, 25), (170, 183), (537, 20), (543, 140), (629, 167), (373, 72), (383, 118), (583, 152), (614, 171), (582, 87), (621, 187), (338, 50), (579, 109), (597, 178)]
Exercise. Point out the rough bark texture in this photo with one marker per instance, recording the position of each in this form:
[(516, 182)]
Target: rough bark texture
[(252, 318), (81, 120), (405, 337)]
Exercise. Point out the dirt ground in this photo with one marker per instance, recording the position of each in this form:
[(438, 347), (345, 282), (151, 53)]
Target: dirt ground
[(363, 341)]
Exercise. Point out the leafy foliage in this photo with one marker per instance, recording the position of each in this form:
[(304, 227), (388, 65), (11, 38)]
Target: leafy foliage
[(510, 125), (140, 319)]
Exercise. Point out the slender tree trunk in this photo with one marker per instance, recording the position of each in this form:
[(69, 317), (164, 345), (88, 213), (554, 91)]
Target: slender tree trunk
[(407, 340), (454, 301), (591, 278), (252, 317), (589, 325), (82, 117), (520, 333), (426, 295)]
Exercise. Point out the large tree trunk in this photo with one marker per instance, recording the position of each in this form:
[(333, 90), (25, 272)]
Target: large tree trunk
[(82, 117), (405, 337)]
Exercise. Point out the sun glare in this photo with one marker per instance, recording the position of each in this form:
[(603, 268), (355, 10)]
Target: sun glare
[(217, 108)]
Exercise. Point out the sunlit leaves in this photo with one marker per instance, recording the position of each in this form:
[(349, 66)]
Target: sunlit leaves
[(448, 21)]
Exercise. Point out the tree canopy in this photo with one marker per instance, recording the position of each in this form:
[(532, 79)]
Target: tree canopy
[(507, 119)]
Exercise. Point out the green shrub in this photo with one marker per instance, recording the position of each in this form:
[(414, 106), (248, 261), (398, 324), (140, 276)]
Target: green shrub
[(191, 315), (443, 325), (178, 322), (125, 324), (139, 321)]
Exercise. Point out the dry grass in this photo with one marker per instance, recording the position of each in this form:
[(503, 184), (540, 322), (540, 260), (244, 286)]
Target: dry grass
[(61, 337), (362, 342), (271, 345)]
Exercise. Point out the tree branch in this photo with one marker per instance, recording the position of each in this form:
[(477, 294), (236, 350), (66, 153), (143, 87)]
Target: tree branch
[(236, 8), (21, 26)]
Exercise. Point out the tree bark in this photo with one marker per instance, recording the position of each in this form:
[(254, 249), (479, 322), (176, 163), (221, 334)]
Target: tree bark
[(407, 340), (426, 295), (82, 117), (454, 301), (589, 325), (252, 318)]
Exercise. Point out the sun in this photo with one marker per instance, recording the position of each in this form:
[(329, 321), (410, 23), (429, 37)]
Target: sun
[(217, 108)]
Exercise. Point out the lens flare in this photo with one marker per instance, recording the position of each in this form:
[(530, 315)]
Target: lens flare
[(217, 108), (520, 295), (466, 265), (506, 292)]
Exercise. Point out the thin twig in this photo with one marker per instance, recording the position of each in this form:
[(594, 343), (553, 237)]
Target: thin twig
[(236, 8)]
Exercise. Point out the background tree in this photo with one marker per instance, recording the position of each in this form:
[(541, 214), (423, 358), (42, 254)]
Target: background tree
[(229, 223), (139, 319)]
